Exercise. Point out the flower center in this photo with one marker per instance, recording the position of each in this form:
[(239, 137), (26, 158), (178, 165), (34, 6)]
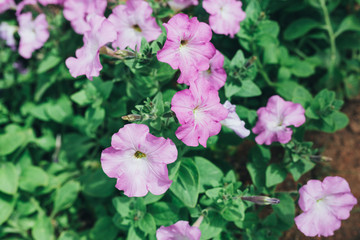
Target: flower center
[(137, 28), (183, 42), (139, 154)]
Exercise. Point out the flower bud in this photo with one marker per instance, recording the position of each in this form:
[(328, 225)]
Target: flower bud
[(261, 200), (132, 117)]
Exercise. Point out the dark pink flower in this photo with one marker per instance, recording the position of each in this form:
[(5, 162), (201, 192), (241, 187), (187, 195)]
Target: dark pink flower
[(87, 61), (139, 161), (324, 204), (178, 5), (187, 46), (78, 12), (33, 33), (6, 4), (180, 230), (199, 112), (225, 16), (132, 22), (274, 119)]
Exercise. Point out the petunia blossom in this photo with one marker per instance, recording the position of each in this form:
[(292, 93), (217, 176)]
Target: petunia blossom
[(187, 46), (324, 204), (133, 21), (55, 2), (274, 119), (78, 12), (87, 61), (33, 33), (7, 34), (233, 121), (215, 75), (178, 5), (6, 5), (225, 16), (138, 160), (179, 230), (199, 112)]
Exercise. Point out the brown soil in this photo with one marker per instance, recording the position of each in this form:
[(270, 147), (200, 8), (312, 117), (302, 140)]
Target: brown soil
[(344, 148)]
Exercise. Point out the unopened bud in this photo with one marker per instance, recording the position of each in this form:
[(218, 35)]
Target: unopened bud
[(125, 54), (132, 117), (261, 200)]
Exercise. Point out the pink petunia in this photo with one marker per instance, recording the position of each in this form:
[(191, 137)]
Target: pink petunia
[(179, 230), (324, 204), (7, 34), (233, 121), (178, 5), (225, 16), (139, 161), (187, 46), (87, 61), (132, 22), (6, 5), (275, 117), (55, 2), (199, 112), (78, 12), (33, 33), (215, 75)]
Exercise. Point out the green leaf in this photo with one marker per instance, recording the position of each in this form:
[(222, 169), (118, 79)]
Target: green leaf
[(9, 178), (147, 224), (302, 68), (97, 184), (349, 23), (275, 174), (164, 213), (69, 235), (186, 186), (48, 63), (257, 174), (122, 205), (231, 89), (300, 27), (66, 196), (285, 210), (297, 169), (43, 229), (248, 89), (33, 177), (80, 98), (212, 225), (134, 234), (7, 204), (11, 141), (60, 110), (104, 88), (104, 229), (210, 175), (238, 60)]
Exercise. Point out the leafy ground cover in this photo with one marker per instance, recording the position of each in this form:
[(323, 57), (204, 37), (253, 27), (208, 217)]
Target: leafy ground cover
[(69, 82)]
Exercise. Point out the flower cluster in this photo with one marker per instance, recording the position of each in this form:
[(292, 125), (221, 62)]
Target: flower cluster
[(324, 204)]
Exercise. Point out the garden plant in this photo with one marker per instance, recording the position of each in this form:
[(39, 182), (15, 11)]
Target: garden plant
[(125, 119)]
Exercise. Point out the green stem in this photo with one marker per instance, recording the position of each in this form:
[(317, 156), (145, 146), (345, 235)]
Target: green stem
[(331, 36), (264, 74)]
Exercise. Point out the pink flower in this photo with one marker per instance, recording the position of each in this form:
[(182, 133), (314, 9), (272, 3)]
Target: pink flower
[(233, 121), (324, 204), (132, 22), (187, 46), (225, 16), (179, 230), (6, 5), (7, 34), (215, 75), (22, 4), (33, 33), (87, 61), (56, 2), (199, 112), (77, 12), (178, 5), (139, 161), (274, 119)]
